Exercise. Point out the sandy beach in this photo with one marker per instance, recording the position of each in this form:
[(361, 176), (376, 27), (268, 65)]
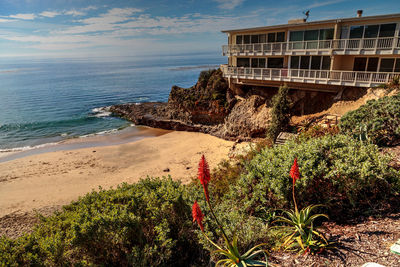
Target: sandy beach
[(53, 179)]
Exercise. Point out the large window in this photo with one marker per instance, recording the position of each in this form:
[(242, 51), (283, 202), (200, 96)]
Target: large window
[(356, 32), (243, 62), (387, 65), (387, 30), (258, 62), (374, 64), (261, 38), (310, 62), (369, 31), (275, 62)]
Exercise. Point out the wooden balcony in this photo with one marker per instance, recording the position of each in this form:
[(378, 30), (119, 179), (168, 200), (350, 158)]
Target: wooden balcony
[(323, 77), (363, 46)]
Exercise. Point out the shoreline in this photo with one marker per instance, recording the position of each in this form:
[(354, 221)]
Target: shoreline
[(125, 135), (52, 179)]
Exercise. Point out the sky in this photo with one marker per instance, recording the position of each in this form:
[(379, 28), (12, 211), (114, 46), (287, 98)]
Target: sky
[(123, 28)]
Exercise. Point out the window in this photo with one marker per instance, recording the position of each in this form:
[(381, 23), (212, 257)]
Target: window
[(386, 65), (326, 63), (271, 37), (360, 64), (372, 64), (294, 62), (296, 36), (305, 62), (258, 62), (316, 62), (275, 62), (262, 38), (356, 32), (326, 34), (371, 31), (243, 62), (311, 35), (239, 39), (344, 33), (254, 39), (246, 39), (387, 30), (280, 36), (397, 65)]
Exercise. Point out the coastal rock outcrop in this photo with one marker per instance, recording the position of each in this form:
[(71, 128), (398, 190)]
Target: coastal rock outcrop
[(208, 107)]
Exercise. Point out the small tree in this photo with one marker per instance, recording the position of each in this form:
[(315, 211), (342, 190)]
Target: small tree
[(280, 114)]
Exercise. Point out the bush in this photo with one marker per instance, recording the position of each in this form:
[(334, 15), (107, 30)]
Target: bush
[(337, 171), (280, 113), (381, 118), (144, 224)]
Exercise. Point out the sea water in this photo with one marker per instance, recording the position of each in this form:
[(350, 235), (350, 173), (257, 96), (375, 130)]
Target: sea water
[(45, 101)]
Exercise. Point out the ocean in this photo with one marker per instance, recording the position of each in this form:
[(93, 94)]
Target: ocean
[(45, 101)]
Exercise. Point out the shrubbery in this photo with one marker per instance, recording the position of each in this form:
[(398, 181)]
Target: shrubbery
[(280, 113), (144, 224), (378, 119), (340, 172)]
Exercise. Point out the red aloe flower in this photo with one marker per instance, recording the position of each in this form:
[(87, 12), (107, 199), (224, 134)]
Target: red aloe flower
[(294, 171), (204, 175), (197, 215)]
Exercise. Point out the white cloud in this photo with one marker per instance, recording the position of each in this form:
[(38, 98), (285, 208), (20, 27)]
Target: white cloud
[(228, 4), (5, 20), (50, 14), (324, 3), (23, 16)]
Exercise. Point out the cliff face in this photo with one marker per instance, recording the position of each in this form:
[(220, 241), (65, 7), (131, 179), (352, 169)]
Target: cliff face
[(209, 107)]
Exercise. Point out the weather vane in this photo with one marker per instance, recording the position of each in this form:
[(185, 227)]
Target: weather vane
[(307, 13)]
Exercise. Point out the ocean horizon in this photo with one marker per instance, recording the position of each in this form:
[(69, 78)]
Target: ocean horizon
[(46, 101)]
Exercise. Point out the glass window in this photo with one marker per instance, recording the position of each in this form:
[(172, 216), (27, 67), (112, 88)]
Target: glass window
[(239, 39), (254, 39), (311, 35), (372, 64), (344, 33), (386, 65), (296, 36), (316, 62), (243, 62), (294, 62), (254, 62), (305, 62), (326, 63), (263, 38), (246, 39), (360, 63), (371, 31), (326, 34), (271, 37), (261, 62), (387, 30), (397, 65), (275, 62), (356, 32), (280, 36)]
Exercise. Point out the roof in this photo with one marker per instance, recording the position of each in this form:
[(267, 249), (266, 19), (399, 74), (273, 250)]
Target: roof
[(332, 21)]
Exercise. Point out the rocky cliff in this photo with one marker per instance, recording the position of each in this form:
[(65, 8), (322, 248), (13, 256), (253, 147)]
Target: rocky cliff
[(209, 106)]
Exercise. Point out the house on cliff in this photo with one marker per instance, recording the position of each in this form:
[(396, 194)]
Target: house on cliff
[(319, 55)]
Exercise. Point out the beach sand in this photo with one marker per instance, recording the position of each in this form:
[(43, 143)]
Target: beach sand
[(52, 179)]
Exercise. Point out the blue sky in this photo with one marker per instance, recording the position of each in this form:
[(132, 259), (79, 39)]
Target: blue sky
[(78, 28)]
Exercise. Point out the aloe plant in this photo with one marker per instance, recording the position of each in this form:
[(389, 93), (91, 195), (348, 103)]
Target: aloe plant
[(231, 254)]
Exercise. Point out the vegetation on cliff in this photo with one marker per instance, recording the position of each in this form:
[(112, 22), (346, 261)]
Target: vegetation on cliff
[(377, 120)]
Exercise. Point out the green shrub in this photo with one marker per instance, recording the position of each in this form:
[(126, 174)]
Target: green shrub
[(280, 113), (380, 117), (144, 224), (337, 171)]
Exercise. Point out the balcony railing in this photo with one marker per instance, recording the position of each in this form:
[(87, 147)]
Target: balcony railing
[(334, 77), (340, 45)]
